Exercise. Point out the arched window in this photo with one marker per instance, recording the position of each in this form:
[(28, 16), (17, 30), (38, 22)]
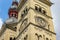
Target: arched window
[(15, 28), (39, 37), (26, 9), (24, 12), (44, 37), (14, 38), (40, 9), (36, 8), (44, 12), (50, 39), (14, 15), (47, 39), (25, 38), (48, 27), (11, 38), (22, 15)]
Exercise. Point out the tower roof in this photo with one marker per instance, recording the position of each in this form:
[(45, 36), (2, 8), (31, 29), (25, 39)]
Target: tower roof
[(15, 2), (13, 9)]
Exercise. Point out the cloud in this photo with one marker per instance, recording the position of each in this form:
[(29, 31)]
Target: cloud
[(1, 22)]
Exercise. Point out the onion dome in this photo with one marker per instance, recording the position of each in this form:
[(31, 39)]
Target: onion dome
[(13, 10)]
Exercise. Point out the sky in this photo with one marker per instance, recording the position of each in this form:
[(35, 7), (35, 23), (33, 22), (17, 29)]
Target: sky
[(55, 10)]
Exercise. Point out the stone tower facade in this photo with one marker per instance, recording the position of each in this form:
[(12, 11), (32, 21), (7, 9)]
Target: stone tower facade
[(29, 20), (35, 20)]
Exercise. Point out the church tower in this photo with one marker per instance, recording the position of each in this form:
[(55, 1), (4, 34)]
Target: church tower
[(13, 9), (35, 20), (29, 20), (8, 30), (13, 13)]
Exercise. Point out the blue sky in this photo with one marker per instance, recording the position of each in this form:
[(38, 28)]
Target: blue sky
[(55, 10), (4, 6)]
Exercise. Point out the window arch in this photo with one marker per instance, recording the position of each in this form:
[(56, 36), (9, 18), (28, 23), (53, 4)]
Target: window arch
[(44, 12), (47, 39), (25, 38), (15, 28), (24, 12), (39, 37), (50, 39), (48, 27), (40, 9), (14, 38), (44, 37), (11, 38), (36, 8)]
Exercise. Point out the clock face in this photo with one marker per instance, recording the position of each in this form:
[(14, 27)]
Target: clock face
[(40, 22)]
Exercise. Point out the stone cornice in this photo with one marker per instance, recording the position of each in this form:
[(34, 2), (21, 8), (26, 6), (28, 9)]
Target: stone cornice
[(21, 3), (36, 11), (11, 27), (41, 14), (6, 26), (36, 26), (43, 28), (46, 2)]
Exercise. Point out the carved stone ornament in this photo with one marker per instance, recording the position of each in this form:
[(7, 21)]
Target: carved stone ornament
[(40, 21)]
